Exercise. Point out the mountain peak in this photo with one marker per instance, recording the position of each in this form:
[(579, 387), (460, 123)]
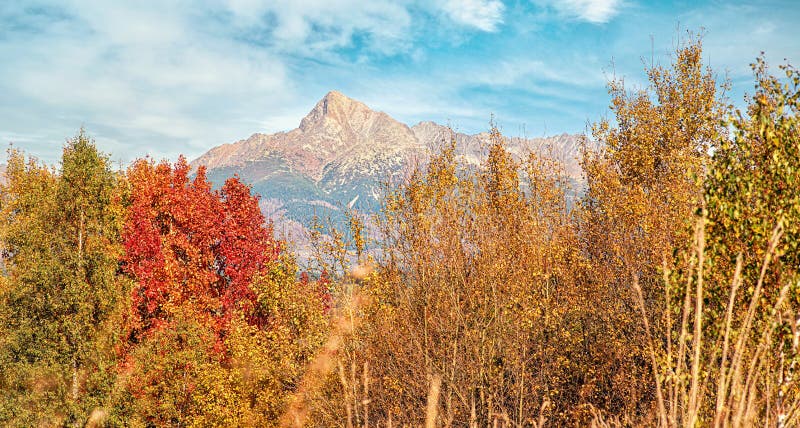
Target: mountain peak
[(333, 97), (335, 107)]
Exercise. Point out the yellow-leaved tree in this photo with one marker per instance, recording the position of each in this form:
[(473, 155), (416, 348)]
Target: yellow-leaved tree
[(645, 183), (472, 287)]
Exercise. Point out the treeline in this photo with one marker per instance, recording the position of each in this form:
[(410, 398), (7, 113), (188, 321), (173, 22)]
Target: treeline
[(145, 298), (669, 295)]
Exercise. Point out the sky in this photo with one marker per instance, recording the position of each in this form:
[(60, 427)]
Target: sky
[(163, 78)]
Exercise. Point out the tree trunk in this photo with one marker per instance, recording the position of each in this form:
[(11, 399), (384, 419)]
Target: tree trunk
[(74, 378)]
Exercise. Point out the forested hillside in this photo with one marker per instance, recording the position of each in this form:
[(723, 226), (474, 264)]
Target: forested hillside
[(482, 294)]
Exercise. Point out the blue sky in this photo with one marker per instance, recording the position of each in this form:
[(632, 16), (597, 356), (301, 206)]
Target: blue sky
[(168, 77)]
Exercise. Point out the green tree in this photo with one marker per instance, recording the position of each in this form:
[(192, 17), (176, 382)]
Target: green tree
[(752, 259), (61, 293), (754, 184)]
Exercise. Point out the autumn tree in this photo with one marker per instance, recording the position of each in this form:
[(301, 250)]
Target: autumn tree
[(645, 183), (744, 325), (189, 246), (220, 328), (472, 286), (720, 327), (61, 293), (753, 183)]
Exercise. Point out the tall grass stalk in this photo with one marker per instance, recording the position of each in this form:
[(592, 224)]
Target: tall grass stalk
[(740, 361)]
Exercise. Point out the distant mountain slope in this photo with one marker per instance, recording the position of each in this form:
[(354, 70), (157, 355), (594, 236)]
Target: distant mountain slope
[(341, 154), (564, 147)]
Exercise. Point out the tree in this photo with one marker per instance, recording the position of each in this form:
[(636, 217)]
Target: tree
[(754, 182), (190, 246), (220, 329), (728, 351), (472, 283), (751, 265), (176, 376), (645, 183), (62, 294)]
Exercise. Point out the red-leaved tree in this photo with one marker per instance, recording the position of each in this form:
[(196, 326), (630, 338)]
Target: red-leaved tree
[(192, 248)]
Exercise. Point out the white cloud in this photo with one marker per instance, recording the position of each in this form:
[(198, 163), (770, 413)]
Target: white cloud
[(519, 72), (485, 15), (594, 11), (314, 27), (182, 77), (150, 71)]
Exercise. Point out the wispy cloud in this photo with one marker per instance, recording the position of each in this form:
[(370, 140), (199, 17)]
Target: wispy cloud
[(193, 75), (315, 27), (169, 77), (485, 15), (594, 11), (131, 67)]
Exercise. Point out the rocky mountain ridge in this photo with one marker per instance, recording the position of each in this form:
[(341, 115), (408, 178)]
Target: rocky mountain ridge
[(340, 155)]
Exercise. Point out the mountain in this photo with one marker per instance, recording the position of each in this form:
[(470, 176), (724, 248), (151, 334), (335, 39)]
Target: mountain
[(341, 154), (564, 147)]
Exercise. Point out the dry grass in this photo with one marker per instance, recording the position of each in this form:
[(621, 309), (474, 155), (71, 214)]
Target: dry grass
[(724, 381), (344, 320)]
